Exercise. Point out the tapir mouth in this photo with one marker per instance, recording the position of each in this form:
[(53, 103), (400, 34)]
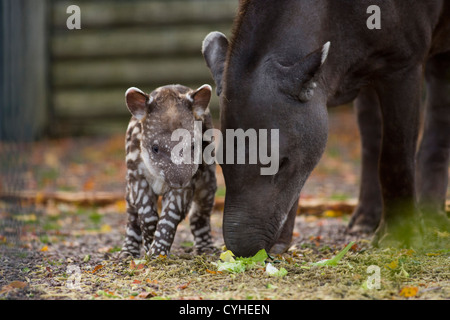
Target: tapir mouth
[(245, 237)]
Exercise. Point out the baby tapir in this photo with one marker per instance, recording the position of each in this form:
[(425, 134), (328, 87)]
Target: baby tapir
[(151, 172)]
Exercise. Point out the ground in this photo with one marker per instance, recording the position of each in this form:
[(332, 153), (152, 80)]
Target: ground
[(65, 248)]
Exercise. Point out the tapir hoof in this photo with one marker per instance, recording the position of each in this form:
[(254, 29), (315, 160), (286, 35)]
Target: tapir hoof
[(279, 248), (124, 255), (406, 234), (365, 219)]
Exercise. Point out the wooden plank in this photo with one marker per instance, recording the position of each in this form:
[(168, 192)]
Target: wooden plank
[(23, 65), (129, 72), (107, 103), (102, 14), (120, 42)]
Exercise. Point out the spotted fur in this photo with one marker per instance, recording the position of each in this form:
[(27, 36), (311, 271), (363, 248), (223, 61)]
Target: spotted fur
[(185, 189)]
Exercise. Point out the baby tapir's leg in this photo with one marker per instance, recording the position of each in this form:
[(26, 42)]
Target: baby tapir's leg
[(175, 204), (200, 213), (148, 214), (133, 239), (142, 215)]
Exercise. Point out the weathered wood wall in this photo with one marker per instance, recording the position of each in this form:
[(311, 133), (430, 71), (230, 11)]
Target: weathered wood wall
[(23, 69), (122, 44)]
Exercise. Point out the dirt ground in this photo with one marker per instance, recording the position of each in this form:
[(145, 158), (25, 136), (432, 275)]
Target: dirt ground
[(51, 249)]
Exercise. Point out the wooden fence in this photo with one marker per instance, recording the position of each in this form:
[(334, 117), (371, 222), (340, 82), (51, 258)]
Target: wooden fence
[(122, 44)]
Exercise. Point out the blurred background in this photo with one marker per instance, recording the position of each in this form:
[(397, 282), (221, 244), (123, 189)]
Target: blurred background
[(73, 81)]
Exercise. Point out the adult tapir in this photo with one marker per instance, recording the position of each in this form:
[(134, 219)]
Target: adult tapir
[(287, 61)]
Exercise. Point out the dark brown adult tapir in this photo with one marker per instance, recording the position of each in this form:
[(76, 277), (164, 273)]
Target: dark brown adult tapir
[(288, 61)]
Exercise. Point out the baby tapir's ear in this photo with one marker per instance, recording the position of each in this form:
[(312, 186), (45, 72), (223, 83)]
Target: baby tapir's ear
[(137, 102), (200, 101)]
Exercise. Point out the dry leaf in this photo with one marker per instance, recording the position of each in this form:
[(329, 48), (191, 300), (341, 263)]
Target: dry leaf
[(146, 295), (13, 285), (89, 185), (183, 286), (121, 206), (44, 248), (105, 228), (409, 291), (393, 265), (98, 267)]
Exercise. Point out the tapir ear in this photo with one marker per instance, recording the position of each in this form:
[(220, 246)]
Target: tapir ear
[(302, 76), (137, 102), (214, 50), (200, 101)]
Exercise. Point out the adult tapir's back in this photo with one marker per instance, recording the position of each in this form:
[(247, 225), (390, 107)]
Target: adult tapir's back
[(365, 42), (288, 60)]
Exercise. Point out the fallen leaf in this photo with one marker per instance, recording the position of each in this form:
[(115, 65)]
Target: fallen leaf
[(335, 260), (13, 285), (213, 272), (433, 254), (18, 284), (151, 281), (98, 267), (393, 265), (227, 256), (121, 206), (105, 228), (273, 271), (332, 213), (136, 281), (89, 185), (183, 286), (44, 248), (408, 252), (146, 295), (409, 291)]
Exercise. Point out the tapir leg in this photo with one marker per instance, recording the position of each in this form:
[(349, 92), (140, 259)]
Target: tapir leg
[(285, 238), (399, 96), (434, 153), (367, 214)]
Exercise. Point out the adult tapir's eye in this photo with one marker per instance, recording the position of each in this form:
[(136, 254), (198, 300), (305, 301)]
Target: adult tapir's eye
[(155, 149)]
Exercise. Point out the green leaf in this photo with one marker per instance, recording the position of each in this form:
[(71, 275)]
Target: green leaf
[(334, 261), (240, 264), (272, 271)]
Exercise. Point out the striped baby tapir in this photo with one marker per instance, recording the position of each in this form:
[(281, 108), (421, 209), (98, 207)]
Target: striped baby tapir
[(186, 188)]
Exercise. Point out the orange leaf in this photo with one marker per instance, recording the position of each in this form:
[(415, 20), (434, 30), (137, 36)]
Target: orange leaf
[(136, 281), (121, 206), (213, 272), (145, 295), (183, 286), (13, 285), (151, 281), (44, 249), (18, 284), (89, 185), (409, 291), (97, 268)]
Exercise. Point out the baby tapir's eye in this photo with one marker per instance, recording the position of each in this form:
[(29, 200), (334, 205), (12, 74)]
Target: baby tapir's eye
[(155, 149)]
